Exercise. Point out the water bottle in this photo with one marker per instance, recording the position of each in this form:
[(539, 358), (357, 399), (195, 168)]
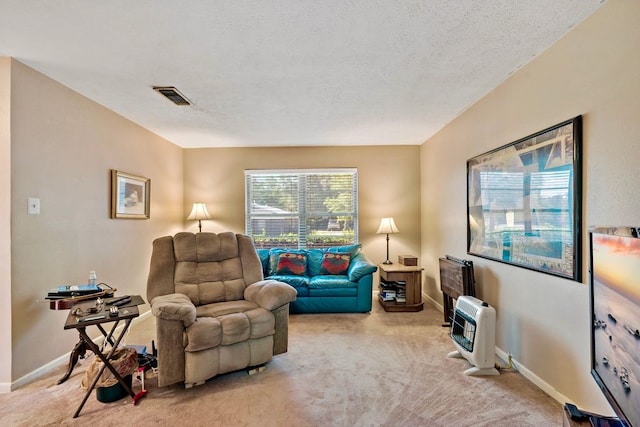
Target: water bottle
[(92, 278)]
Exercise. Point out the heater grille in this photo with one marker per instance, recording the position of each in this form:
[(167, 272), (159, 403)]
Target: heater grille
[(473, 334), (463, 329)]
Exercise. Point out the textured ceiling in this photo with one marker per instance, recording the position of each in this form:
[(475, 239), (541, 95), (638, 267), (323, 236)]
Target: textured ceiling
[(286, 72)]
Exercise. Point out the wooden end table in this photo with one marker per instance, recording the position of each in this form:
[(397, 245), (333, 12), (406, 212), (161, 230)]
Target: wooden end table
[(412, 276)]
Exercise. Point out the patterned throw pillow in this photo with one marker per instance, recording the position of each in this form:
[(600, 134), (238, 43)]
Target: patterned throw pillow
[(335, 263), (291, 263)]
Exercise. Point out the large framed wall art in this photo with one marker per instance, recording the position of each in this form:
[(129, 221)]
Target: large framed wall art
[(524, 202)]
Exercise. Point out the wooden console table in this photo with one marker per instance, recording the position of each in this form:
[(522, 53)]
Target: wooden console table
[(412, 276)]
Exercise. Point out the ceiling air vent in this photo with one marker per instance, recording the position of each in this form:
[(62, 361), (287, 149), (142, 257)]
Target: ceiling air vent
[(172, 94)]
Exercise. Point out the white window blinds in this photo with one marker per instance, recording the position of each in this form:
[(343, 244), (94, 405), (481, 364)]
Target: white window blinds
[(302, 208)]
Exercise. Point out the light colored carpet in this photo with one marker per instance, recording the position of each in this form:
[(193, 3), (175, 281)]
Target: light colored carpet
[(377, 369)]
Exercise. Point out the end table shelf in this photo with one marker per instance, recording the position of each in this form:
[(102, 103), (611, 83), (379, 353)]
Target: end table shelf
[(412, 276)]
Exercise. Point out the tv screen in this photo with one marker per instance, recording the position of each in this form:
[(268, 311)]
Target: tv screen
[(615, 310)]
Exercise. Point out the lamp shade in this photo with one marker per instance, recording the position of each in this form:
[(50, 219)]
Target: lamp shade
[(199, 211), (387, 226)]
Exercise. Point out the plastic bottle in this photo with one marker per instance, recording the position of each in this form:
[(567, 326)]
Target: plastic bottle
[(92, 278)]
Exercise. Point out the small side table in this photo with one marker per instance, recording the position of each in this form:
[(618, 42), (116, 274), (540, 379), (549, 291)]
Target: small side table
[(412, 276), (126, 314), (80, 349)]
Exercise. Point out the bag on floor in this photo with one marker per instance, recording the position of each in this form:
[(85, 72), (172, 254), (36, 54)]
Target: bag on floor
[(125, 361)]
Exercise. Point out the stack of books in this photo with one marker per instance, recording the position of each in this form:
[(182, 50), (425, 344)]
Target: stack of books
[(401, 292), (66, 291), (387, 290), (393, 291)]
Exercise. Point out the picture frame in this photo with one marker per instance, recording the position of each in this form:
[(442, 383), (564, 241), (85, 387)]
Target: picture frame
[(130, 196), (524, 202)]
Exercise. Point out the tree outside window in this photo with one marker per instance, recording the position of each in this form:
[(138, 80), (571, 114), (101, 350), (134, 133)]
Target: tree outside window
[(301, 208)]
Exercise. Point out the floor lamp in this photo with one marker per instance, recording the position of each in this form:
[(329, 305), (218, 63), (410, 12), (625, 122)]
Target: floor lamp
[(199, 212), (387, 226)]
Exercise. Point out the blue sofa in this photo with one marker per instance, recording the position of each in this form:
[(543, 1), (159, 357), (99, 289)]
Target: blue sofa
[(319, 291)]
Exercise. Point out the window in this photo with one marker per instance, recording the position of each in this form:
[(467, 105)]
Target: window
[(302, 208)]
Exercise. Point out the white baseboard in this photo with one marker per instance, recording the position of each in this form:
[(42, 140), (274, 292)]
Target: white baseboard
[(434, 302), (539, 382), (60, 361), (543, 385), (40, 372)]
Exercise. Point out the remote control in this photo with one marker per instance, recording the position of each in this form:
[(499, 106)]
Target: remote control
[(123, 301), (90, 318), (117, 300), (575, 413)]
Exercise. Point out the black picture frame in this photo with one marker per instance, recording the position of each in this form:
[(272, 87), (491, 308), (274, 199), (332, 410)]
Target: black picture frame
[(524, 202)]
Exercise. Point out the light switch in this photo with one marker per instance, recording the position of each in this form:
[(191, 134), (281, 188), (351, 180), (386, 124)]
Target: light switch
[(34, 206)]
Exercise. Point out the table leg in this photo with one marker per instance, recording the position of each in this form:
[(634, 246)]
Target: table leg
[(79, 351), (108, 337), (106, 363)]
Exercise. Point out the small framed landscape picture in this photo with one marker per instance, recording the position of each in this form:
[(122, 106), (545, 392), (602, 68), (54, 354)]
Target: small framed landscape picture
[(129, 195)]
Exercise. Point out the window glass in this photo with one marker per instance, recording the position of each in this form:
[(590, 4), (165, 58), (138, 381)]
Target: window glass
[(302, 208)]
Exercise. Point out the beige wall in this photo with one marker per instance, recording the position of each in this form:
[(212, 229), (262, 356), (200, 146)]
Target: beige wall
[(388, 185), (62, 148), (5, 221), (594, 71)]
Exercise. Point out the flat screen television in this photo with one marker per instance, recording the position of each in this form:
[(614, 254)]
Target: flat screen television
[(614, 288)]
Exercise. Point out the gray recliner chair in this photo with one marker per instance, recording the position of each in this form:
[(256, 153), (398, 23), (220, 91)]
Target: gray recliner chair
[(214, 312)]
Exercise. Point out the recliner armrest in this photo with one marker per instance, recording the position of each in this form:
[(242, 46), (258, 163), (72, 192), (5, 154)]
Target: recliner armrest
[(174, 307), (270, 294)]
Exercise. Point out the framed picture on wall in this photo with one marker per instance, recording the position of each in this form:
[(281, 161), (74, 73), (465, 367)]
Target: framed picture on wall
[(130, 195), (524, 202)]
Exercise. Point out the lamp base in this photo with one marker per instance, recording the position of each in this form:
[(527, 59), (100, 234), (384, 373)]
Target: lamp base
[(387, 262)]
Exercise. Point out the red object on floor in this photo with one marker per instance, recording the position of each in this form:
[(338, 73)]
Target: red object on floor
[(143, 392)]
